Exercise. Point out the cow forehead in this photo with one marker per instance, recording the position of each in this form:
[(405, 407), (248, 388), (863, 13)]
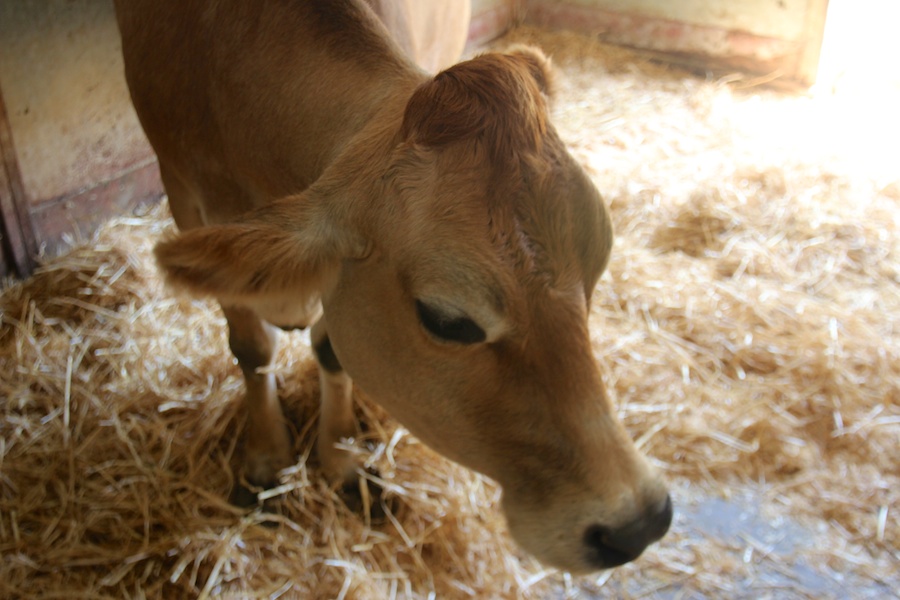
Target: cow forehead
[(479, 256), (522, 220)]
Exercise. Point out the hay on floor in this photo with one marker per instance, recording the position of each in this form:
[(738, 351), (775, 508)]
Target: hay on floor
[(747, 329)]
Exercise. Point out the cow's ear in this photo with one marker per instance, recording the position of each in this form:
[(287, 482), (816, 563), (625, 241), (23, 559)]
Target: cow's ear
[(290, 247)]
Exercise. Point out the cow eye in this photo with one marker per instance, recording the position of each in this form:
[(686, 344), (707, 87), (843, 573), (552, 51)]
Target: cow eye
[(461, 330)]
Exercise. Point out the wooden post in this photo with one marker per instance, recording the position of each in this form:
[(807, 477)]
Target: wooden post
[(17, 237)]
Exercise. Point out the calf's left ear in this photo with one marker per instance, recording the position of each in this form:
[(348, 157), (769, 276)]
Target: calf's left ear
[(288, 248)]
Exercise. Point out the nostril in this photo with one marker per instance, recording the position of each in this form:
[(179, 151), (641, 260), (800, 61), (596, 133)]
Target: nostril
[(610, 547), (601, 545)]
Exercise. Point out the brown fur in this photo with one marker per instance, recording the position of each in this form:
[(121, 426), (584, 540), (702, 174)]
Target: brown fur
[(312, 167), (483, 99)]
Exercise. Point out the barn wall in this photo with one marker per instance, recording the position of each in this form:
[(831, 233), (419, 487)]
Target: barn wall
[(73, 134), (776, 39), (770, 18)]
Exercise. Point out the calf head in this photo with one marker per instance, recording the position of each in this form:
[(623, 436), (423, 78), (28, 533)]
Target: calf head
[(455, 257)]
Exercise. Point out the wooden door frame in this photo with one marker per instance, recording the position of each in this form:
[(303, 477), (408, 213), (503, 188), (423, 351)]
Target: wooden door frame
[(17, 239)]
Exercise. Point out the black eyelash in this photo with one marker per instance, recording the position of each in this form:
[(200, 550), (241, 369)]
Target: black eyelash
[(461, 330)]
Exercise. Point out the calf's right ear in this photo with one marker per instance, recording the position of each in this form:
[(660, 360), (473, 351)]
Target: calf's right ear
[(288, 248)]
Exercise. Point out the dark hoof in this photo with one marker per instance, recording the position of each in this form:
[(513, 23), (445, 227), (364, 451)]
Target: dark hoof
[(365, 497), (244, 496)]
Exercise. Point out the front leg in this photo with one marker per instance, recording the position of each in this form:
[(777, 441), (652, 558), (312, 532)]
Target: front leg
[(267, 442), (336, 422), (336, 419)]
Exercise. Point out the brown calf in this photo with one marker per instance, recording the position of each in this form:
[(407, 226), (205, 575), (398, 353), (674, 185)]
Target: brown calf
[(435, 230)]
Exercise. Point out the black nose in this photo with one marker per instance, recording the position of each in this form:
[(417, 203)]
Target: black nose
[(611, 547)]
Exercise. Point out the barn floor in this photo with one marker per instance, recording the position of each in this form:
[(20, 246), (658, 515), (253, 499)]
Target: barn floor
[(773, 547), (748, 330)]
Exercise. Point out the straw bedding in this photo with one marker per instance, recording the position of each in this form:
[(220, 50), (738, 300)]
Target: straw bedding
[(747, 330)]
